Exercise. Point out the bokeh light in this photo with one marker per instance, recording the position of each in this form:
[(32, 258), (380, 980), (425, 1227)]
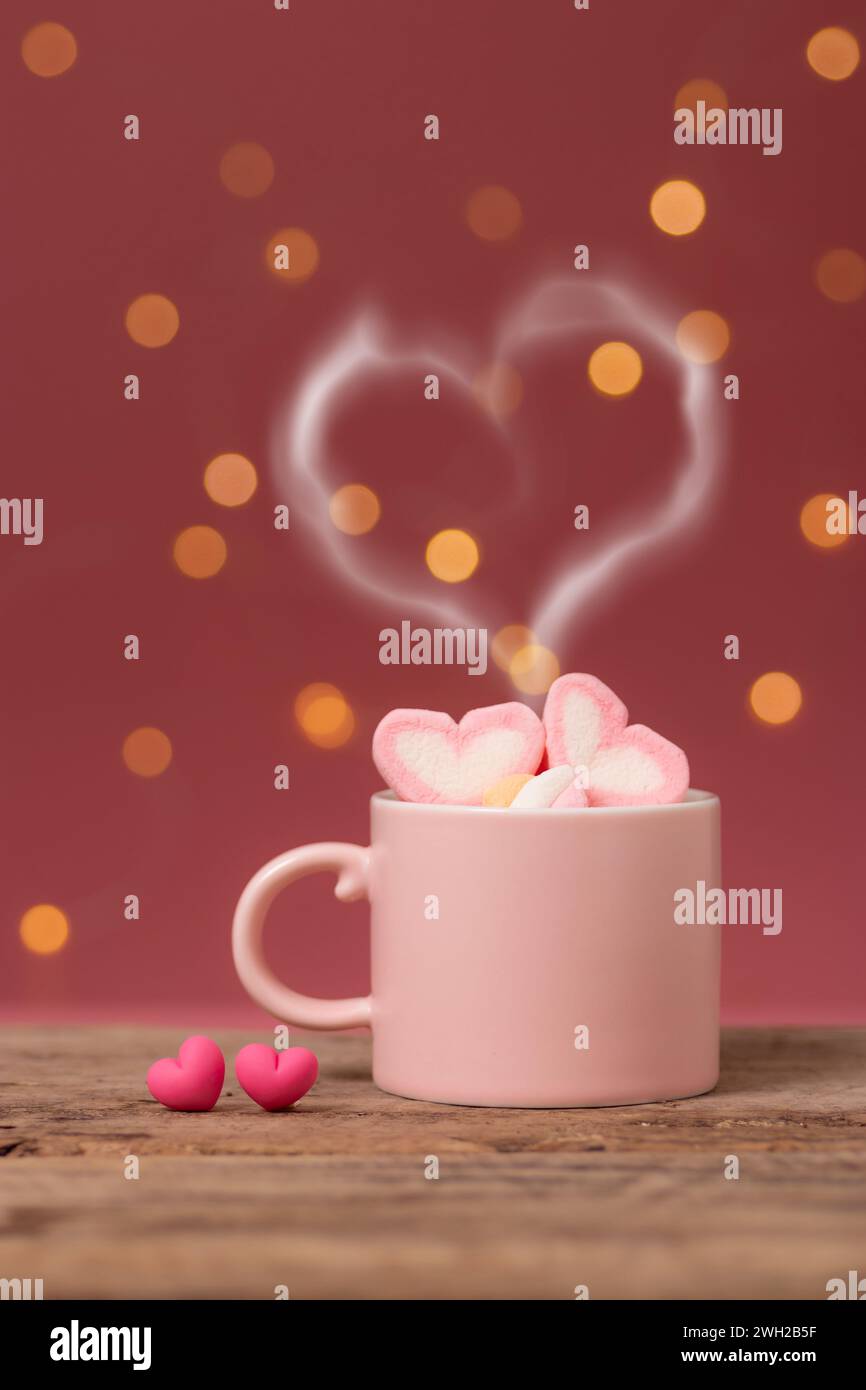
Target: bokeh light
[(354, 509), (152, 320), (775, 697), (44, 929), (200, 552), (302, 255), (49, 49), (833, 53), (703, 336), (324, 715), (494, 213), (246, 169), (508, 641), (533, 669), (498, 389), (452, 556), (678, 207), (841, 275), (615, 369), (147, 752), (813, 522), (230, 480), (700, 89)]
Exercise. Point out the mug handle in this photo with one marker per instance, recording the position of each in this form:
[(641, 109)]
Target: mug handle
[(351, 865)]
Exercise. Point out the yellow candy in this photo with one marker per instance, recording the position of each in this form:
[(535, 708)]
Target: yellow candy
[(503, 792)]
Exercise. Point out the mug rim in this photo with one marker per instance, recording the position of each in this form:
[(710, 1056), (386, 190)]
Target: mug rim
[(694, 797)]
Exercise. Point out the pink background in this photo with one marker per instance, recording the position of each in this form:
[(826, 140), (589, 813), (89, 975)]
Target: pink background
[(573, 112)]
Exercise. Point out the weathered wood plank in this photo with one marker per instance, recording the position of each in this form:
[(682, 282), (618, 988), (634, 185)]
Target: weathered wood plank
[(332, 1200)]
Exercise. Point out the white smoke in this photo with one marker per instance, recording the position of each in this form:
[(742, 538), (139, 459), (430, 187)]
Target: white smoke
[(552, 310)]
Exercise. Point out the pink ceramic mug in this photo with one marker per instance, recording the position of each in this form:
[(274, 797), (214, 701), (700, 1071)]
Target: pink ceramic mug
[(519, 958)]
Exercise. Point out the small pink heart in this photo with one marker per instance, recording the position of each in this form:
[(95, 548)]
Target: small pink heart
[(191, 1081), (424, 756), (275, 1080)]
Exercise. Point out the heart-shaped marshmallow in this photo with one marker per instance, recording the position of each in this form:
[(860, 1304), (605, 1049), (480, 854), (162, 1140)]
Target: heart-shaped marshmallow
[(275, 1080), (191, 1081), (586, 725), (424, 756), (640, 769), (580, 714)]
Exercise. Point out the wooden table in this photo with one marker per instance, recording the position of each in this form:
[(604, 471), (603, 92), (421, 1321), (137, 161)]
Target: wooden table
[(332, 1201)]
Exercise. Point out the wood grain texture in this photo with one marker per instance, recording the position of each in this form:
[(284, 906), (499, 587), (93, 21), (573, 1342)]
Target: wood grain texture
[(331, 1199)]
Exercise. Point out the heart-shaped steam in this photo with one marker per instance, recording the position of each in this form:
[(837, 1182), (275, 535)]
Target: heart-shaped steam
[(553, 309)]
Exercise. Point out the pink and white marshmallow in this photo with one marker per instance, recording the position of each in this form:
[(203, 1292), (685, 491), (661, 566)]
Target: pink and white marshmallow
[(423, 755), (575, 794), (543, 790), (586, 725)]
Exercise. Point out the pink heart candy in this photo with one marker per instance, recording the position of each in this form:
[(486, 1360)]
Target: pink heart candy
[(275, 1080), (424, 756), (191, 1081), (586, 725)]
